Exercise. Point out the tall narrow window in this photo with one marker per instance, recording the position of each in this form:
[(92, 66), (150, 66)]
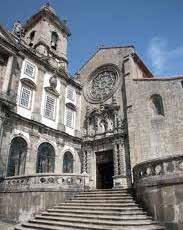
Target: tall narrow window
[(157, 103), (70, 93), (68, 163), (70, 118), (31, 37), (50, 107), (45, 158), (17, 157), (54, 40), (29, 69), (182, 84), (25, 97)]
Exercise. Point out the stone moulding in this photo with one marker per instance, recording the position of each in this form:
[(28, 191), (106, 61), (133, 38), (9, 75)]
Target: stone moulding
[(160, 171), (43, 182)]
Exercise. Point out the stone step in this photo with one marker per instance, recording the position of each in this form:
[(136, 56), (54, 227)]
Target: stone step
[(70, 226), (94, 210), (99, 192), (99, 212), (93, 221), (106, 196), (118, 209), (81, 205), (97, 216), (100, 201), (104, 226)]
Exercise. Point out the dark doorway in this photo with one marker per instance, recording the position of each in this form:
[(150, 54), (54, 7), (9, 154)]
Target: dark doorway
[(104, 169)]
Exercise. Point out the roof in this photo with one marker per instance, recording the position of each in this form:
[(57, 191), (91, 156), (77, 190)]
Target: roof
[(49, 12), (102, 48)]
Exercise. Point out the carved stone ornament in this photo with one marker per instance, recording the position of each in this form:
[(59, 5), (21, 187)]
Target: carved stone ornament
[(53, 81), (102, 84)]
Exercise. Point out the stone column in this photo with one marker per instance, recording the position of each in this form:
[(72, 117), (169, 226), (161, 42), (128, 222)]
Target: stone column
[(78, 112), (61, 125), (122, 160), (31, 158), (8, 74), (84, 162), (36, 111), (115, 159)]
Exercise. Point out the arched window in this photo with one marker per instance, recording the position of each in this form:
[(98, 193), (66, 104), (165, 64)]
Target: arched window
[(68, 163), (17, 157), (182, 84), (45, 158), (54, 40), (31, 37), (157, 104)]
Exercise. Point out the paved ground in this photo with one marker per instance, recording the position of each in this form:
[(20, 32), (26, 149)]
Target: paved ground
[(5, 226)]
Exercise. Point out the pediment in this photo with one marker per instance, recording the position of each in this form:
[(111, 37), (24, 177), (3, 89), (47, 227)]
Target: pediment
[(28, 82), (51, 90), (71, 106)]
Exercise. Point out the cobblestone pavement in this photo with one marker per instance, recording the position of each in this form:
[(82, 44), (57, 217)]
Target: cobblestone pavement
[(5, 226)]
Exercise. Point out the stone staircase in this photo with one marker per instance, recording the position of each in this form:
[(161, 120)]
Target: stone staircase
[(94, 210)]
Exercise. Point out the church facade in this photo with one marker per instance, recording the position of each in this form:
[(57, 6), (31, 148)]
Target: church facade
[(112, 125)]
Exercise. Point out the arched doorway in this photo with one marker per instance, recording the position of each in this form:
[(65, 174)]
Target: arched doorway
[(17, 157), (68, 162), (45, 158)]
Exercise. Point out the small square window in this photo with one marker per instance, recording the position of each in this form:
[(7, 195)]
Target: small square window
[(25, 97), (70, 93), (50, 107), (29, 69), (69, 118)]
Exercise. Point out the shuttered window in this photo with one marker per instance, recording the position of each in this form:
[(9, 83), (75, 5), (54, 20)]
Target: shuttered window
[(69, 118), (25, 97), (70, 93), (50, 107), (29, 69)]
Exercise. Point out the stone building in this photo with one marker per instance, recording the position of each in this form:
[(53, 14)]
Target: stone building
[(112, 126)]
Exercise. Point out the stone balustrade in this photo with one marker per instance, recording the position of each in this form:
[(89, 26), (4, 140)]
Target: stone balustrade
[(43, 182), (161, 167)]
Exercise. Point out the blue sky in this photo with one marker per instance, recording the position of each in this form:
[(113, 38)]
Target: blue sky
[(153, 27)]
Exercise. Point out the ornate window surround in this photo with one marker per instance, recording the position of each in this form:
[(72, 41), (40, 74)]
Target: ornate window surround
[(87, 88)]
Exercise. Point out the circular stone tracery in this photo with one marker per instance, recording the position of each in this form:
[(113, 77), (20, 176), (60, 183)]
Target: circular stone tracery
[(102, 85)]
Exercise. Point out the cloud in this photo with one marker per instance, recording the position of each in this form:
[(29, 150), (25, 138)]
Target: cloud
[(162, 58)]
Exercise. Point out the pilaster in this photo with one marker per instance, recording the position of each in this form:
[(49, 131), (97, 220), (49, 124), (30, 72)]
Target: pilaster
[(36, 112)]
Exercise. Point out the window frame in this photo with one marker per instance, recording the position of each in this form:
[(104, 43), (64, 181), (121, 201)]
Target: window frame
[(73, 99), (73, 118), (157, 105), (34, 70), (30, 97), (54, 107)]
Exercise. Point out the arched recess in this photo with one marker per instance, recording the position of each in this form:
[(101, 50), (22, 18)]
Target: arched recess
[(45, 158), (157, 104), (68, 162), (17, 157)]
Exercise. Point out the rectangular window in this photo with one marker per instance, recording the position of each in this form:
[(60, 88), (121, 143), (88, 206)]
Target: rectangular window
[(29, 69), (25, 97), (50, 107), (70, 93), (69, 118)]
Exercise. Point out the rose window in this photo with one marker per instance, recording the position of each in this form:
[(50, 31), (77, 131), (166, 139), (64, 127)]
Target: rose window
[(102, 85)]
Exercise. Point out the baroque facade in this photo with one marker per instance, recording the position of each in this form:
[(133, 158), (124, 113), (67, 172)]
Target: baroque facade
[(113, 125)]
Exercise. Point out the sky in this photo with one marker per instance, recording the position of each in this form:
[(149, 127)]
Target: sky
[(153, 27)]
